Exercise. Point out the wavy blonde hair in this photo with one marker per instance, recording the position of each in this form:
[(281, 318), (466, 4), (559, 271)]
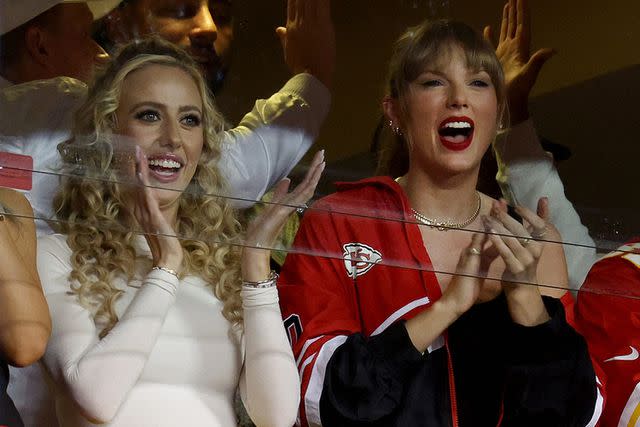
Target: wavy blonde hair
[(91, 204)]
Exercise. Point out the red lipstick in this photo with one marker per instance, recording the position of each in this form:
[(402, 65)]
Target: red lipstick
[(456, 133)]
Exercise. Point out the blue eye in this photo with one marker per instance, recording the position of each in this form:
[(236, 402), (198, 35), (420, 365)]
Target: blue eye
[(191, 120), (148, 116)]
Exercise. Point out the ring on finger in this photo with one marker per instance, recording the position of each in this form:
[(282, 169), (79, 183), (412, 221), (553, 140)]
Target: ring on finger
[(303, 207), (538, 234), (474, 251), (526, 241)]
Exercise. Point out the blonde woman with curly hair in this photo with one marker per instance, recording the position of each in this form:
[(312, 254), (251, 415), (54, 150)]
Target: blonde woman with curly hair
[(158, 316)]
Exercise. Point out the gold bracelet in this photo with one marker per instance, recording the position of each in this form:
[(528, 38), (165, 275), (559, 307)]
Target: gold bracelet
[(165, 269), (267, 283)]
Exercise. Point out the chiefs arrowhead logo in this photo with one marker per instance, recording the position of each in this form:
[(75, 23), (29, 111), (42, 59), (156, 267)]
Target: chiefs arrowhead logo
[(359, 258)]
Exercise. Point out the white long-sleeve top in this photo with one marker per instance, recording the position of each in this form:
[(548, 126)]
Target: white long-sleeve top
[(526, 173), (172, 359), (261, 150)]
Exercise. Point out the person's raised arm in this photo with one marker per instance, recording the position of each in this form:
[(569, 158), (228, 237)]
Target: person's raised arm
[(526, 172), (273, 137), (25, 324), (460, 295), (521, 67), (308, 40), (549, 378), (270, 383)]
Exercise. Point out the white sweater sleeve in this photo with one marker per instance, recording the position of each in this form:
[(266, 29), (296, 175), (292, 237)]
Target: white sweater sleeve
[(273, 137), (99, 373), (269, 383), (525, 173)]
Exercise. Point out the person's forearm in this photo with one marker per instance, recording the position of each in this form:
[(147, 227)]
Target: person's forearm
[(424, 328), (272, 381), (526, 306), (272, 138), (255, 264), (25, 324), (77, 358)]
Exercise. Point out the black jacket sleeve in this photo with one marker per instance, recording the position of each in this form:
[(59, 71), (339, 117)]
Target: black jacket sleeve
[(550, 380), (366, 378)]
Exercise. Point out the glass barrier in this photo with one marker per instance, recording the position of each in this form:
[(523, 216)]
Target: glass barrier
[(352, 211), (288, 78)]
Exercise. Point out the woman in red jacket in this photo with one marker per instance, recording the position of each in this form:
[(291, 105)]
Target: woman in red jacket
[(385, 333)]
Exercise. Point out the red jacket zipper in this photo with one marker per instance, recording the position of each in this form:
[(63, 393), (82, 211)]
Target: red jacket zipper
[(452, 384)]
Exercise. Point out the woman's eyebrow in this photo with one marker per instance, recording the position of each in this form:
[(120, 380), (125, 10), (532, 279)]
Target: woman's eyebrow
[(159, 106), (146, 104), (184, 108)]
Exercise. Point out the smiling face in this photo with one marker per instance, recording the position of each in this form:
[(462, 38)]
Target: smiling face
[(160, 110), (449, 115)]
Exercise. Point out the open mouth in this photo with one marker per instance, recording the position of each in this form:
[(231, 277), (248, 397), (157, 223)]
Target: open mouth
[(456, 133), (165, 167)]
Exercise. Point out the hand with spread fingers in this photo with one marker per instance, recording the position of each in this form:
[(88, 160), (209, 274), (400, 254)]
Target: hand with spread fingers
[(308, 40), (521, 68), (161, 236), (520, 247), (264, 229)]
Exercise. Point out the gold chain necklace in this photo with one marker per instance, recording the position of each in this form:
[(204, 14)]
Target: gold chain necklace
[(445, 225)]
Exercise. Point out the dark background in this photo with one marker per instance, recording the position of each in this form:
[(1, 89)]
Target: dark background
[(586, 98)]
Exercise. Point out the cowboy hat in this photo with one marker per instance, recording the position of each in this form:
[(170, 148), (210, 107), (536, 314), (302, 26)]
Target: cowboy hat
[(14, 13)]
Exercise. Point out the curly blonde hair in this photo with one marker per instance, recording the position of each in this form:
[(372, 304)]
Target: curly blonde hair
[(90, 205)]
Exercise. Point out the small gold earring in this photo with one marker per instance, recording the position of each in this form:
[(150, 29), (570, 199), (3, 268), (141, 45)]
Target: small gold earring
[(395, 129)]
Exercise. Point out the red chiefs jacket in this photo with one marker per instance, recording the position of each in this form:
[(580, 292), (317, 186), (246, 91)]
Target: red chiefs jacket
[(608, 315), (358, 270)]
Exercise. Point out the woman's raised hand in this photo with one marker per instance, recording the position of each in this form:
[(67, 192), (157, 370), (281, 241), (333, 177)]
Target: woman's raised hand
[(460, 295), (466, 284), (264, 229), (514, 242), (521, 67), (518, 246), (160, 234)]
